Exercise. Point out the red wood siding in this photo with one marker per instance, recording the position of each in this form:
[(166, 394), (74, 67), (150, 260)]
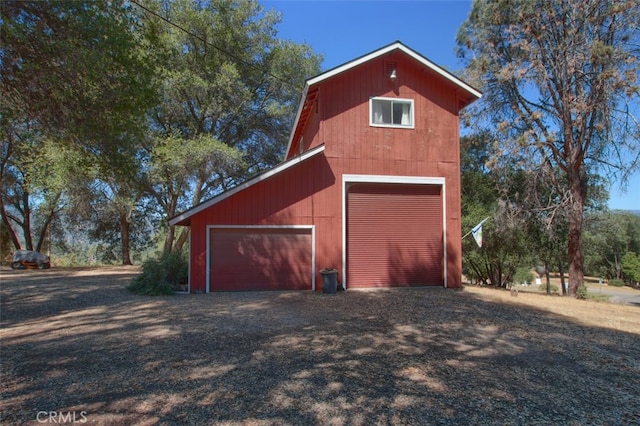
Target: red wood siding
[(311, 193), (343, 110), (302, 195)]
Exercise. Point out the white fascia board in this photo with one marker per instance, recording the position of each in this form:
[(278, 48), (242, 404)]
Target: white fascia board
[(446, 74), (208, 261), (260, 226), (393, 179), (266, 175), (303, 99), (387, 49)]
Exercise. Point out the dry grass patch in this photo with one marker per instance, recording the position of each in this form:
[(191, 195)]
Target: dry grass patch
[(588, 312)]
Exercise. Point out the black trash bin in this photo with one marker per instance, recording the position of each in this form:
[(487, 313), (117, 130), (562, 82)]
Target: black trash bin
[(329, 280)]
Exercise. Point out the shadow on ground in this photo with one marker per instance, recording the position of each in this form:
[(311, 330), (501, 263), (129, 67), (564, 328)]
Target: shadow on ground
[(76, 343)]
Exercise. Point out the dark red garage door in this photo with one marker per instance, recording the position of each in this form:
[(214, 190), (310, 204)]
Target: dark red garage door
[(394, 235), (260, 259)]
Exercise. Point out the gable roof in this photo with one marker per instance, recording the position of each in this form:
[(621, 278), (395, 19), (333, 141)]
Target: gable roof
[(310, 92), (309, 95), (184, 218)]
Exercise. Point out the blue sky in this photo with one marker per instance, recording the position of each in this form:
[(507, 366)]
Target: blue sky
[(344, 30)]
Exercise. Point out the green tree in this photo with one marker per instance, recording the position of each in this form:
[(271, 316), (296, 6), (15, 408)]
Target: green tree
[(72, 70), (608, 237), (477, 182), (560, 84), (182, 171), (74, 80), (230, 89), (548, 234), (32, 183), (505, 249), (631, 267), (544, 212), (485, 193)]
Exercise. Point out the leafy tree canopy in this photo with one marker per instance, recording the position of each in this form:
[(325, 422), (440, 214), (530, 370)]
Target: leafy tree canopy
[(229, 93), (631, 267), (73, 70), (560, 81)]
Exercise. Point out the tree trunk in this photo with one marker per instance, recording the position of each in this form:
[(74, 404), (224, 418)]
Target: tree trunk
[(26, 222), (170, 209), (168, 241), (575, 215), (43, 234), (547, 275), (7, 150), (547, 272), (5, 221), (563, 284), (47, 225), (182, 239), (477, 270), (124, 234)]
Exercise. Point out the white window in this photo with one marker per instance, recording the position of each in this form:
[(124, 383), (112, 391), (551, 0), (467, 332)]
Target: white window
[(391, 112)]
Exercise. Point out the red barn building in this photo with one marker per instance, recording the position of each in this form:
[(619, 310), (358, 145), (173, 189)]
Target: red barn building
[(370, 186)]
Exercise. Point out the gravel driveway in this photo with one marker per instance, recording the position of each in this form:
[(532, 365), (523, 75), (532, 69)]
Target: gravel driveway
[(76, 343)]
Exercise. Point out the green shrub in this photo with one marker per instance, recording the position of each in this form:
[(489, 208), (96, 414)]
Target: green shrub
[(554, 288), (616, 283), (631, 266), (581, 292), (523, 275), (161, 276)]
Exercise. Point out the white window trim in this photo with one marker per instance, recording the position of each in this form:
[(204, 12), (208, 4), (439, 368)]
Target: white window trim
[(394, 126)]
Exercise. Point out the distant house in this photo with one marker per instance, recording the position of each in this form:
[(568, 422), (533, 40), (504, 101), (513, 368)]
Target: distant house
[(370, 186)]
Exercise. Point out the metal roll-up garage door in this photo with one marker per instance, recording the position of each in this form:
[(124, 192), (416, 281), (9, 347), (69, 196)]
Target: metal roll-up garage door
[(394, 235), (260, 259)]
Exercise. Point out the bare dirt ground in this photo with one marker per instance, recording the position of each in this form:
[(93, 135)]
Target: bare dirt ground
[(76, 345)]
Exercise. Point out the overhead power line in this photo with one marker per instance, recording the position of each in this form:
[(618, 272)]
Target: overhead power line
[(218, 48)]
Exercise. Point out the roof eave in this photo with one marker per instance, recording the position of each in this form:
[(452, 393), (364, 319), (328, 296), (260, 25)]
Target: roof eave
[(474, 93), (295, 123), (184, 219)]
